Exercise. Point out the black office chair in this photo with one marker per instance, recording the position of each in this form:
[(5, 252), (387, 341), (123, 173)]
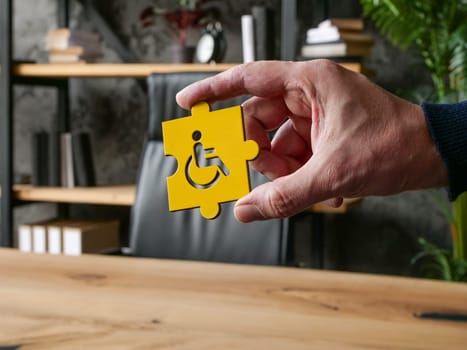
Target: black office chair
[(156, 232)]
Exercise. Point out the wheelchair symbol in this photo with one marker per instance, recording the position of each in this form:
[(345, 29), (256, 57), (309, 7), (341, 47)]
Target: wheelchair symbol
[(204, 167)]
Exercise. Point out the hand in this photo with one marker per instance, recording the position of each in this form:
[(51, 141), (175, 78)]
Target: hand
[(337, 135)]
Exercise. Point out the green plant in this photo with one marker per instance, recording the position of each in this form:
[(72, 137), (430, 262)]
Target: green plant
[(440, 264), (459, 227), (438, 30)]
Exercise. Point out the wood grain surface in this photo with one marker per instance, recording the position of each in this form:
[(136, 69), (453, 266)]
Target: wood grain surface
[(113, 195), (103, 302), (109, 70), (124, 195), (122, 70)]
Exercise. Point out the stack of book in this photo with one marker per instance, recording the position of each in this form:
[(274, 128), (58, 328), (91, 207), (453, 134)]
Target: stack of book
[(338, 38), (69, 237), (65, 45), (62, 159)]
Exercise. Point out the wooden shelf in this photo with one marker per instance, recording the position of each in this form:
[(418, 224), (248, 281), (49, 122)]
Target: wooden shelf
[(109, 70), (123, 195), (121, 70), (108, 195)]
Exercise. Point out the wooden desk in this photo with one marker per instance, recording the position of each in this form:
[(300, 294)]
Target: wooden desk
[(104, 302)]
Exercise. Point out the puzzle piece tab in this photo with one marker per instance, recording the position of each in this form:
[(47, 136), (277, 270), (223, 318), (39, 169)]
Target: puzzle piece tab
[(212, 156)]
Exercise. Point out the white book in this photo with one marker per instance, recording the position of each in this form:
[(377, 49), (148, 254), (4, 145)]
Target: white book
[(54, 239), (248, 38), (359, 37), (55, 234), (336, 49), (90, 237), (72, 244), (39, 239), (25, 238)]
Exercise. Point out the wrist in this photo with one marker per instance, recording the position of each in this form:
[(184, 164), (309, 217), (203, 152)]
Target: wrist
[(424, 160)]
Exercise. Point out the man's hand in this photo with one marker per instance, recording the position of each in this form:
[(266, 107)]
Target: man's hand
[(336, 135)]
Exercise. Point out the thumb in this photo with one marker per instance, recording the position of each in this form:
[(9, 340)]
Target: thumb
[(283, 197)]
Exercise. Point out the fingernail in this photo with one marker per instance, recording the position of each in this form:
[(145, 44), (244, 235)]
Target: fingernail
[(247, 213), (178, 96)]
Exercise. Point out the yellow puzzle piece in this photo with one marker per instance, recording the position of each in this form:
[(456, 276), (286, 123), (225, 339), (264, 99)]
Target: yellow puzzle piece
[(212, 157)]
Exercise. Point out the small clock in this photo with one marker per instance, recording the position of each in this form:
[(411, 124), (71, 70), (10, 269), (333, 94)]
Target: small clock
[(211, 45)]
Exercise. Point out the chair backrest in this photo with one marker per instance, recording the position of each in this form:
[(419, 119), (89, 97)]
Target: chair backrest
[(156, 232)]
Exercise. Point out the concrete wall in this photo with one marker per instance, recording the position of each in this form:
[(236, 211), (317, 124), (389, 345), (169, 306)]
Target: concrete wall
[(378, 236)]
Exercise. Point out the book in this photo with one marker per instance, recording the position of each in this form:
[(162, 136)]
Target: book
[(54, 239), (263, 18), (32, 237), (356, 24), (337, 38), (76, 160), (25, 238), (90, 237), (85, 51), (248, 38), (40, 159), (63, 56), (55, 235), (65, 45), (75, 53), (54, 159), (333, 34), (39, 238), (69, 236), (83, 161), (63, 38), (67, 59), (67, 177), (62, 159), (336, 49), (326, 31)]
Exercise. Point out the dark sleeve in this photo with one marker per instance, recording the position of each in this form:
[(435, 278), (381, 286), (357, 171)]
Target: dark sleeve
[(448, 128)]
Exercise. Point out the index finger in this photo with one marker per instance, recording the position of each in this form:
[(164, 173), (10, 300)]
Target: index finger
[(263, 79)]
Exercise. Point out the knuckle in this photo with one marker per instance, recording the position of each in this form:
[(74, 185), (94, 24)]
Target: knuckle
[(325, 64), (280, 204), (335, 177)]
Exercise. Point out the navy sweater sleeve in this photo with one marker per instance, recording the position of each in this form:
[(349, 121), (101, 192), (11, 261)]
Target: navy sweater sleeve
[(448, 128)]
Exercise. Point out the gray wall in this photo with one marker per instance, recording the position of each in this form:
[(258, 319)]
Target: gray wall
[(378, 236)]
